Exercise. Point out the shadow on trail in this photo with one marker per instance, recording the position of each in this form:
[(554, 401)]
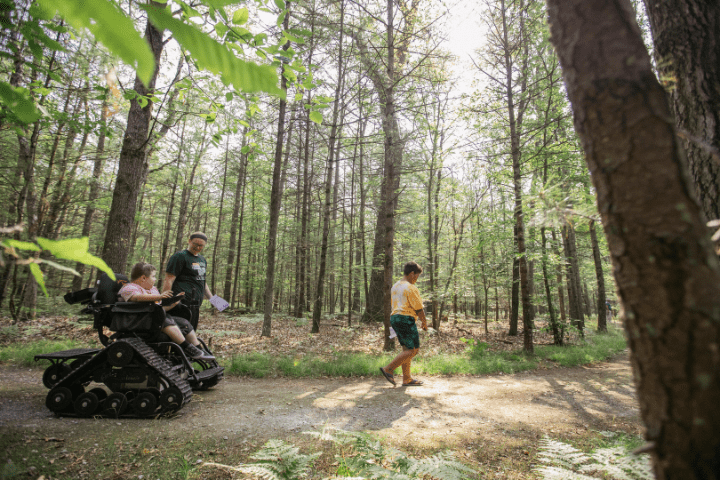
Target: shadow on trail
[(444, 411)]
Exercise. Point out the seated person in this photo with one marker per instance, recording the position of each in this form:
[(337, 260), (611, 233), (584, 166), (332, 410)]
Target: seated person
[(142, 289)]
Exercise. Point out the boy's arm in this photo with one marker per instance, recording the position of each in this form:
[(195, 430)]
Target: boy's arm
[(145, 297), (421, 316)]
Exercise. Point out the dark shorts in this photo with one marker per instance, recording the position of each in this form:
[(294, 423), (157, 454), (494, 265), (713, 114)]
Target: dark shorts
[(181, 323), (406, 330)]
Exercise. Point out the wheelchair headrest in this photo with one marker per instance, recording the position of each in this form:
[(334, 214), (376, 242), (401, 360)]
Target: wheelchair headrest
[(108, 289)]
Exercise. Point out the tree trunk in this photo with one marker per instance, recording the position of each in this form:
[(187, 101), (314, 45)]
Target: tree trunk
[(235, 219), (169, 217), (515, 298), (317, 308), (573, 278), (667, 275), (687, 51), (133, 163), (559, 277), (220, 216), (554, 325), (94, 190), (275, 199)]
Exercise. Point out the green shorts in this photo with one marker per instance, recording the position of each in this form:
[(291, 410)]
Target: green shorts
[(406, 330)]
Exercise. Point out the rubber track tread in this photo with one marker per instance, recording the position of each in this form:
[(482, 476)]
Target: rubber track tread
[(148, 356)]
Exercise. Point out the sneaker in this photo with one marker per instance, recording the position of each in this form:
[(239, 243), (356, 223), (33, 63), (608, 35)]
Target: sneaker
[(196, 354)]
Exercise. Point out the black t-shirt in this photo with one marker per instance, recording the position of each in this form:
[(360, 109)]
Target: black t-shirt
[(189, 271)]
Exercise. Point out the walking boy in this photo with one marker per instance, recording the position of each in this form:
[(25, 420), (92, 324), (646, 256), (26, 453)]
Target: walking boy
[(407, 306)]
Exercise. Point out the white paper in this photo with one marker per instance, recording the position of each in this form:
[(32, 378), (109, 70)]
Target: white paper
[(219, 303)]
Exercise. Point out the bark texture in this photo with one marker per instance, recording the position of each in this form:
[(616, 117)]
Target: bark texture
[(686, 34), (668, 277), (133, 163)]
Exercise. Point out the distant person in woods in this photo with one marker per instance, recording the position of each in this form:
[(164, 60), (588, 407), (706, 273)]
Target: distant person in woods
[(609, 313), (142, 289), (407, 306), (185, 272)]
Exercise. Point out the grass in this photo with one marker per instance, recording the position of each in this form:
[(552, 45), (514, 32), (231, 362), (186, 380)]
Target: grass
[(597, 347), (476, 360), (24, 354)]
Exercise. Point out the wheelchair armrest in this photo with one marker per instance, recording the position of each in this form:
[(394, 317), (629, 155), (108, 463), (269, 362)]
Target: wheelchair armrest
[(134, 307)]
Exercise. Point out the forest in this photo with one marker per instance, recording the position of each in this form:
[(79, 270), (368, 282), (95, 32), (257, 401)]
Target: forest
[(490, 192), (322, 144)]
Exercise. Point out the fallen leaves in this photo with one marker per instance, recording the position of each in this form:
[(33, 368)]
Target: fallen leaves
[(230, 334)]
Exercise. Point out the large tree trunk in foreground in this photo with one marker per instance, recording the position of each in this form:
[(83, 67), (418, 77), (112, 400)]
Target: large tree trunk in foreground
[(133, 163), (687, 47), (668, 277)]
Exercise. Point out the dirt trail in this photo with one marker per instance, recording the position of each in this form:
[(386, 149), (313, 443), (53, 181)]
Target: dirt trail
[(446, 411)]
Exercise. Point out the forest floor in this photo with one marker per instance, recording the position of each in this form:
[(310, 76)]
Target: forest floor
[(492, 422)]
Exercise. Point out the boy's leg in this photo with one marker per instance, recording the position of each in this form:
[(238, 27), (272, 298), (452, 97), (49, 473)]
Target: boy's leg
[(399, 360), (192, 338), (406, 365), (174, 333)]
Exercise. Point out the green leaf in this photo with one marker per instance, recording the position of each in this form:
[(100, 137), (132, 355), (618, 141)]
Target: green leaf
[(188, 11), (260, 39), (20, 245), (281, 17), (75, 249), (280, 4), (111, 27), (18, 102), (221, 29), (293, 38), (229, 96), (61, 267), (290, 75), (211, 55), (218, 4), (240, 17), (300, 31), (143, 101), (316, 117), (37, 273)]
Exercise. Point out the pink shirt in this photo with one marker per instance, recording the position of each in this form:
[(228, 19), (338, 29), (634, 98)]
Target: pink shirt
[(130, 289)]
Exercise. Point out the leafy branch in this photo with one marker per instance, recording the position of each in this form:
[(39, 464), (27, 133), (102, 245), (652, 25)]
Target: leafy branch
[(73, 249)]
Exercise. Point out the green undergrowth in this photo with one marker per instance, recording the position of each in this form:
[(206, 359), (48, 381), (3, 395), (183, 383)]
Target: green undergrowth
[(476, 360), (24, 354), (611, 458), (157, 453), (597, 347)]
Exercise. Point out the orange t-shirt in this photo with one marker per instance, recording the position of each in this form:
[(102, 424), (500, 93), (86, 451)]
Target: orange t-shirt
[(406, 299)]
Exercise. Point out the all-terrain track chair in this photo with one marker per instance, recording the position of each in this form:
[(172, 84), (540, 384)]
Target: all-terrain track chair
[(138, 373)]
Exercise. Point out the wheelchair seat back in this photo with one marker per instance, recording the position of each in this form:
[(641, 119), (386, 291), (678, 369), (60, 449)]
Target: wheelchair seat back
[(107, 288)]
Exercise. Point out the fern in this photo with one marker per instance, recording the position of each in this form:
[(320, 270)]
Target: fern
[(564, 462), (277, 460), (371, 460), (368, 460)]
